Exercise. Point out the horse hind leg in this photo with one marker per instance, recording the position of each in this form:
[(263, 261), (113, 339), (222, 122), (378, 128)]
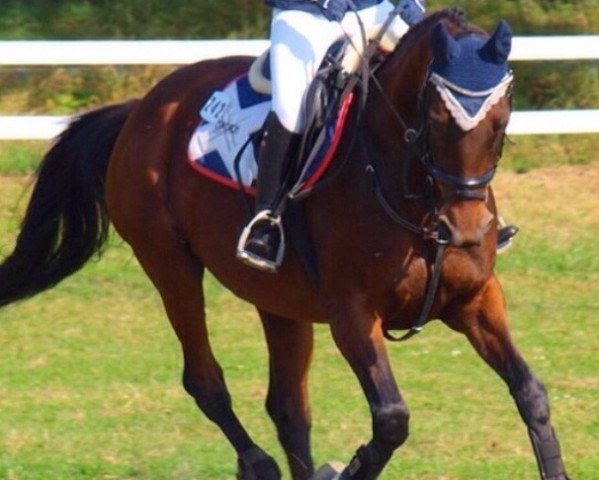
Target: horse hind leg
[(179, 282), (487, 330)]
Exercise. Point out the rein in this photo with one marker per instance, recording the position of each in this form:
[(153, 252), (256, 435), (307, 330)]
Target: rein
[(417, 147), (441, 243), (413, 139), (464, 187)]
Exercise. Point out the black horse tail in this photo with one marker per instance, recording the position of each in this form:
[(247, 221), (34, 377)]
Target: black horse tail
[(66, 221)]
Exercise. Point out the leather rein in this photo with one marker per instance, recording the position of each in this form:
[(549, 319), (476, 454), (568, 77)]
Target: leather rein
[(417, 146)]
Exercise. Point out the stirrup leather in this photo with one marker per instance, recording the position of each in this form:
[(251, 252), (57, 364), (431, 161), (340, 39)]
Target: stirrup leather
[(250, 258)]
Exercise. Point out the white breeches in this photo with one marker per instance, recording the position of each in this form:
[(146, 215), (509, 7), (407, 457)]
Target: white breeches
[(299, 42)]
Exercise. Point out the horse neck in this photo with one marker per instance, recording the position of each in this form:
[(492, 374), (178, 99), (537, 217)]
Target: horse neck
[(403, 74), (398, 85), (401, 79)]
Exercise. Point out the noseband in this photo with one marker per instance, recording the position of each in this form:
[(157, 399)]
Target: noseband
[(462, 187), (418, 148), (419, 141)]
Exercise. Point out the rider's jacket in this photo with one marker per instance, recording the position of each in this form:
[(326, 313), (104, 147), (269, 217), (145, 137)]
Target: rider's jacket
[(314, 6)]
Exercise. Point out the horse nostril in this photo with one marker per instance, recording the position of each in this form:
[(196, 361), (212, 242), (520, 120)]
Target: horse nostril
[(462, 237)]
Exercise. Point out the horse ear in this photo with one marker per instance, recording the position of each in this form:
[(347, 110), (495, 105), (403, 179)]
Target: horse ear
[(498, 47), (445, 48)]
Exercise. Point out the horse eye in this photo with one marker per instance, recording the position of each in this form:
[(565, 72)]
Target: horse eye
[(501, 142), (437, 122)]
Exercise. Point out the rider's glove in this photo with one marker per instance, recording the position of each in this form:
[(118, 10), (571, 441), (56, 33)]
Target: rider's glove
[(411, 11), (333, 10)]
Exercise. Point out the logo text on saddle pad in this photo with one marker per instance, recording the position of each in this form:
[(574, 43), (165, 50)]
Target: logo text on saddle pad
[(225, 144), (229, 120)]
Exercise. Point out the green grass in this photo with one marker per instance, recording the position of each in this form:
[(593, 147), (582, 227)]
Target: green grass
[(90, 371), (529, 152), (20, 157)]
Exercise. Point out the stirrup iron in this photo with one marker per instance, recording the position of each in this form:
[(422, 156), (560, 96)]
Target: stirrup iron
[(253, 260)]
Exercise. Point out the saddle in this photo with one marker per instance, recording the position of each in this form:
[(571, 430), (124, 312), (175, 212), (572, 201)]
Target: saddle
[(225, 143)]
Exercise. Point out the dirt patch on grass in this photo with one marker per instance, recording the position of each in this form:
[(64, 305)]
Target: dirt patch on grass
[(563, 200)]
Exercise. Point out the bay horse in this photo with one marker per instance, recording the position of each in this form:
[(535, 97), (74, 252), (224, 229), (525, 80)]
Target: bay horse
[(403, 211)]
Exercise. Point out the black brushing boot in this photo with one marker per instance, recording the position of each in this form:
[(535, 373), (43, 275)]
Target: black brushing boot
[(262, 244)]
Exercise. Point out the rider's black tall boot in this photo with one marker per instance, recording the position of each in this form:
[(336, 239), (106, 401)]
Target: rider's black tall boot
[(261, 243)]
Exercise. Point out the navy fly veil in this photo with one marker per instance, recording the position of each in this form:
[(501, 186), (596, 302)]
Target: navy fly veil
[(471, 72)]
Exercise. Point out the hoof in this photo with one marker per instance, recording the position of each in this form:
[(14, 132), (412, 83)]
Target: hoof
[(255, 464), (329, 471)]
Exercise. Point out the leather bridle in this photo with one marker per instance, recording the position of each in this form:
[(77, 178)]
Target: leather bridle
[(469, 187)]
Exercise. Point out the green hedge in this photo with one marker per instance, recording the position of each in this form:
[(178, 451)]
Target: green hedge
[(128, 19), (74, 19)]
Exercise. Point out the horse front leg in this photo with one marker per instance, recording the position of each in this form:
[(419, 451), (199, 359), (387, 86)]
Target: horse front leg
[(359, 337), (484, 322), (290, 345)]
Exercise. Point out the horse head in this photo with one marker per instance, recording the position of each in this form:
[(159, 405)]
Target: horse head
[(467, 108), (450, 85)]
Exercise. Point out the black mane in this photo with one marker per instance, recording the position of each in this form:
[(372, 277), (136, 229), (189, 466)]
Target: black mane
[(454, 14)]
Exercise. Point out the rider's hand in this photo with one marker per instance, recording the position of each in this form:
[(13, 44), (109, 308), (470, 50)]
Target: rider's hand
[(333, 10), (411, 11)]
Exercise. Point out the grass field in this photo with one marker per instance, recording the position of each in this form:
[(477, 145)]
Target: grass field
[(90, 371)]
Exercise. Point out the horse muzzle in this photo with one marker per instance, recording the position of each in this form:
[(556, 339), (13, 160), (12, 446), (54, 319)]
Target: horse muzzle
[(465, 225)]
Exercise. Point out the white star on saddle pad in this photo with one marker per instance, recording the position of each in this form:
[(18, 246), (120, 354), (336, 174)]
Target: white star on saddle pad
[(230, 119)]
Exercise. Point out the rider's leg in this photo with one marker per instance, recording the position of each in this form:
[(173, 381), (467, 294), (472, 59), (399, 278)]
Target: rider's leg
[(294, 55), (277, 153)]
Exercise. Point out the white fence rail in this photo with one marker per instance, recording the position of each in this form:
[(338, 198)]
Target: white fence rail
[(17, 53), (127, 52), (44, 127), (174, 52)]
